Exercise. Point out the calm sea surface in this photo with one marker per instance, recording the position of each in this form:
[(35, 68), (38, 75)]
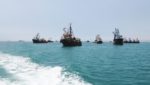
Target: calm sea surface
[(24, 63)]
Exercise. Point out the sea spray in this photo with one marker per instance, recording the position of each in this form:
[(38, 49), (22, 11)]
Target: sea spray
[(24, 72)]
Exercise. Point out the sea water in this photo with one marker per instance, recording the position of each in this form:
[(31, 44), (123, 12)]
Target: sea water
[(25, 63)]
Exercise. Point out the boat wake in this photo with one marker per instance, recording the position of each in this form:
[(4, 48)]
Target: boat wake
[(22, 71)]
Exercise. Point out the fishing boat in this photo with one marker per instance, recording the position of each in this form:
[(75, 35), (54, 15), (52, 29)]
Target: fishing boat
[(87, 41), (125, 40), (131, 40), (68, 39), (118, 39), (98, 40), (50, 40), (37, 39), (137, 41)]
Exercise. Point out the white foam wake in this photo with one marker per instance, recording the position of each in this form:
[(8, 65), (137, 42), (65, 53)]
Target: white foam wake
[(25, 72)]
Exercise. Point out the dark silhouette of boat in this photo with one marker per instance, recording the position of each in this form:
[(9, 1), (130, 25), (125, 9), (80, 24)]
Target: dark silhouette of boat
[(68, 39), (37, 39), (21, 41), (136, 41), (131, 41), (87, 41), (98, 40), (118, 39), (50, 41), (125, 40)]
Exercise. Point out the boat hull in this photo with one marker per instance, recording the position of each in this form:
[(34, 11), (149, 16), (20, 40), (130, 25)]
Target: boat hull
[(99, 42), (118, 41), (39, 41), (71, 42), (136, 42)]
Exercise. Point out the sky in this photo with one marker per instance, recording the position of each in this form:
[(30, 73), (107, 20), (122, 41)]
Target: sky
[(22, 19)]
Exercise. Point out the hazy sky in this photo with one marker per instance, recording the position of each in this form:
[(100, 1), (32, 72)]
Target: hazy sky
[(22, 19)]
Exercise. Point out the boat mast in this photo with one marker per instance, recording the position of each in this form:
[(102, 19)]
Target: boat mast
[(98, 38), (37, 36), (114, 34), (117, 34), (70, 31)]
